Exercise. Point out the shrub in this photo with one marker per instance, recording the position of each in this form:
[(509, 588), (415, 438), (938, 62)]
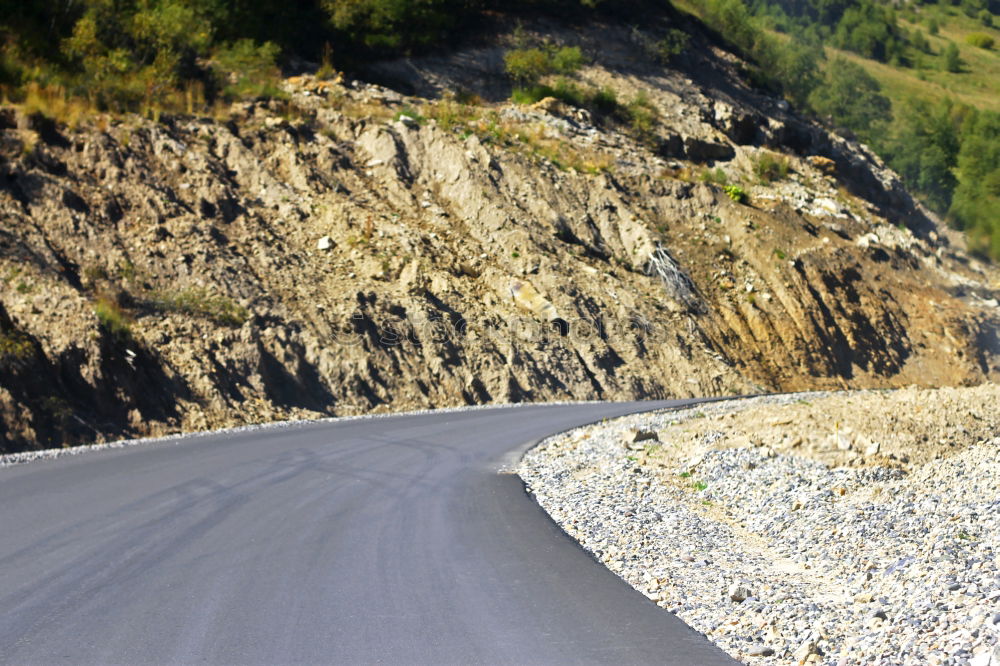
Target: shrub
[(736, 193), (672, 45), (980, 40), (769, 167), (717, 176), (986, 18), (605, 100), (567, 59), (641, 115), (250, 68), (526, 66), (952, 60), (569, 92), (112, 318)]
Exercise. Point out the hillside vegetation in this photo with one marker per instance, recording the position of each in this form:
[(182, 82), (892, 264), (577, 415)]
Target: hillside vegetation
[(934, 66), (918, 84)]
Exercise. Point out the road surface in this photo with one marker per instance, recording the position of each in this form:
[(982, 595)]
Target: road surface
[(387, 540)]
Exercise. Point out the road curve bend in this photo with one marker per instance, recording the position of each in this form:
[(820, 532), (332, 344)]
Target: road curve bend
[(386, 540)]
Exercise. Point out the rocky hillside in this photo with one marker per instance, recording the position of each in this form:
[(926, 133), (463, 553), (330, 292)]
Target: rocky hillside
[(354, 248)]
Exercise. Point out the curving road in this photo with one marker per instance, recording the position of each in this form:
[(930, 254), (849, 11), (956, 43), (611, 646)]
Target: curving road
[(389, 540)]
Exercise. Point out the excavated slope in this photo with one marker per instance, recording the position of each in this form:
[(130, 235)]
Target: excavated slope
[(318, 256)]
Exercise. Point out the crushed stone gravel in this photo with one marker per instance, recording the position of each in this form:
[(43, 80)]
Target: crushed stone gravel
[(806, 553)]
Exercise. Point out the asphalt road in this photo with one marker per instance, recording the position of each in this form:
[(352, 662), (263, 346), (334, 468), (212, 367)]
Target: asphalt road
[(389, 540)]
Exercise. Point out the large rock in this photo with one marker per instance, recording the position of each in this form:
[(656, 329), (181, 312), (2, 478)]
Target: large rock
[(702, 150)]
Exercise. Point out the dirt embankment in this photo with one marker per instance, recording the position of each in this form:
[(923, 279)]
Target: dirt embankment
[(357, 249), (901, 429)]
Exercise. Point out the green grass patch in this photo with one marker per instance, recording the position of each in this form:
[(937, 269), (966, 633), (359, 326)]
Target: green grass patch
[(112, 318), (411, 113)]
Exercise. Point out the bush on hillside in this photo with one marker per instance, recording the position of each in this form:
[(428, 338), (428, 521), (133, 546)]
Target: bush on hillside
[(952, 59), (528, 66), (980, 40), (769, 167)]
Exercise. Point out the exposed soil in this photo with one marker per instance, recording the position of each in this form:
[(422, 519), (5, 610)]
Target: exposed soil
[(324, 256), (904, 429)]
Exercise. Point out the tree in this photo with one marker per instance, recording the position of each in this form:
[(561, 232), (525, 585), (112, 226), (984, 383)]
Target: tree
[(952, 60), (869, 30), (853, 100), (796, 67), (976, 203), (923, 147)]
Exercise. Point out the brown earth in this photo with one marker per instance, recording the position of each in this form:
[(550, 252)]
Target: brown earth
[(321, 256)]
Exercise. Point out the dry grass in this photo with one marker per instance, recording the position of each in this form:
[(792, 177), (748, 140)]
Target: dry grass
[(55, 103), (201, 303), (535, 141)]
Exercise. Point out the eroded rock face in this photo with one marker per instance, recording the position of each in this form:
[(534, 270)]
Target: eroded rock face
[(260, 268)]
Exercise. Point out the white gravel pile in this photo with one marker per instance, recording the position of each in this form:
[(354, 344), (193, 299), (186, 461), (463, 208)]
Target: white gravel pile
[(781, 559)]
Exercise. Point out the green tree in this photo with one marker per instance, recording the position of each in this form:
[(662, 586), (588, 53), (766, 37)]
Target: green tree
[(952, 59), (389, 25), (793, 66), (869, 30), (976, 203), (853, 100), (923, 147)]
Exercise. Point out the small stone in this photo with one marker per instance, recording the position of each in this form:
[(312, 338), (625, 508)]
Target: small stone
[(324, 243), (635, 437), (739, 592), (954, 587), (759, 650), (805, 651)]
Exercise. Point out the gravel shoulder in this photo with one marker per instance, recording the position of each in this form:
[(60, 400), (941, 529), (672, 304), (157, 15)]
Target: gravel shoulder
[(811, 528)]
